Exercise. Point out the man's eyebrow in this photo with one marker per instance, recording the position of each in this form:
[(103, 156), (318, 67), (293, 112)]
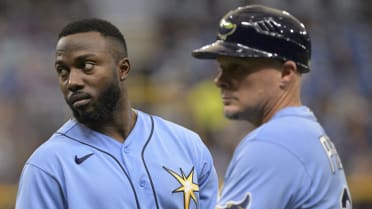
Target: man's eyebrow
[(84, 56), (87, 55), (80, 57)]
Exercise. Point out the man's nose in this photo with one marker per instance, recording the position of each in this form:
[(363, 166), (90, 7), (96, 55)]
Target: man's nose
[(221, 80), (75, 81)]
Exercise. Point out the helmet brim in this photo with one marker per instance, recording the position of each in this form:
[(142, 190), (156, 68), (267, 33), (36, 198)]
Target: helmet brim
[(224, 48)]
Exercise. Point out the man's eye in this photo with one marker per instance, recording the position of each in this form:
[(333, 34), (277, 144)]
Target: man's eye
[(88, 65), (62, 71)]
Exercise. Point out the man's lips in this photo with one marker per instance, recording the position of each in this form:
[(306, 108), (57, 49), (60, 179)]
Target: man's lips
[(78, 99), (227, 99)]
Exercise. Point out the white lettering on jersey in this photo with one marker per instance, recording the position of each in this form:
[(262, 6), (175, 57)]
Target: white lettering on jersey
[(330, 149)]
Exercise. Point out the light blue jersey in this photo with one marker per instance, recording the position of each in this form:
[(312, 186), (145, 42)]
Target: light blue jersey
[(160, 165), (287, 163)]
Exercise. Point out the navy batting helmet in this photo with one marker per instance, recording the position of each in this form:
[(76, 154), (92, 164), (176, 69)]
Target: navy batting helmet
[(259, 31)]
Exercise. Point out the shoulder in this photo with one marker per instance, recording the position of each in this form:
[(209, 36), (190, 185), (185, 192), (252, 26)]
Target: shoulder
[(171, 128), (292, 123), (54, 151), (265, 150), (285, 144), (178, 138), (300, 136), (53, 148), (179, 135), (290, 128)]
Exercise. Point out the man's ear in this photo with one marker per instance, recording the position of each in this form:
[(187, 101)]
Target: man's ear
[(124, 68), (288, 73)]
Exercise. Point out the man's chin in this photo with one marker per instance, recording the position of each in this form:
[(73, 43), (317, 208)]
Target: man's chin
[(231, 114), (85, 117)]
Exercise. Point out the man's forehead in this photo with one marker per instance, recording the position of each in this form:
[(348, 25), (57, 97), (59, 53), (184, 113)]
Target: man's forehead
[(77, 45), (81, 41)]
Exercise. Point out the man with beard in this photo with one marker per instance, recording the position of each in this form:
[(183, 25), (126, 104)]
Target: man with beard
[(288, 161), (111, 155)]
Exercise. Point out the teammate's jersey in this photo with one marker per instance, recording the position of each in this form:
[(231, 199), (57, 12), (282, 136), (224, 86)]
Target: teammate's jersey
[(287, 163), (160, 165)]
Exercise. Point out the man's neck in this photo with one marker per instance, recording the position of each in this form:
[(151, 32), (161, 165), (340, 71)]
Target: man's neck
[(119, 127), (285, 100)]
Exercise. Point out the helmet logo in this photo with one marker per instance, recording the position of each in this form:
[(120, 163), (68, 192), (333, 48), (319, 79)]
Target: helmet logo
[(226, 28)]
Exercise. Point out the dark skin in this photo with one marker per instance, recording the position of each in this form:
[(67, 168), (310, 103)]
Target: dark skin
[(92, 81)]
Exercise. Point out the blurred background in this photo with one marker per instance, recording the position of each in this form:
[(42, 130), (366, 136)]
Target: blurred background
[(165, 79)]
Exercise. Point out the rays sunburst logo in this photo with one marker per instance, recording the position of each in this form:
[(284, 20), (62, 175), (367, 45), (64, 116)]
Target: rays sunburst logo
[(226, 28), (187, 186)]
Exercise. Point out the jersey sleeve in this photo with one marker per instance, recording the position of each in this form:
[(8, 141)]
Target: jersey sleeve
[(37, 189), (262, 175), (208, 181)]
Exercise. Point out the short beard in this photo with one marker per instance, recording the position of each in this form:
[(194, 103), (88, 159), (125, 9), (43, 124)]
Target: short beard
[(107, 103), (232, 116), (252, 117)]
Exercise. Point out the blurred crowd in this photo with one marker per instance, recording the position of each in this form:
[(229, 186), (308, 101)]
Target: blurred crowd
[(167, 81)]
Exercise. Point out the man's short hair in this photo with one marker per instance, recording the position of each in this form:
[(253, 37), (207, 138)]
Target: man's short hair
[(105, 28)]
